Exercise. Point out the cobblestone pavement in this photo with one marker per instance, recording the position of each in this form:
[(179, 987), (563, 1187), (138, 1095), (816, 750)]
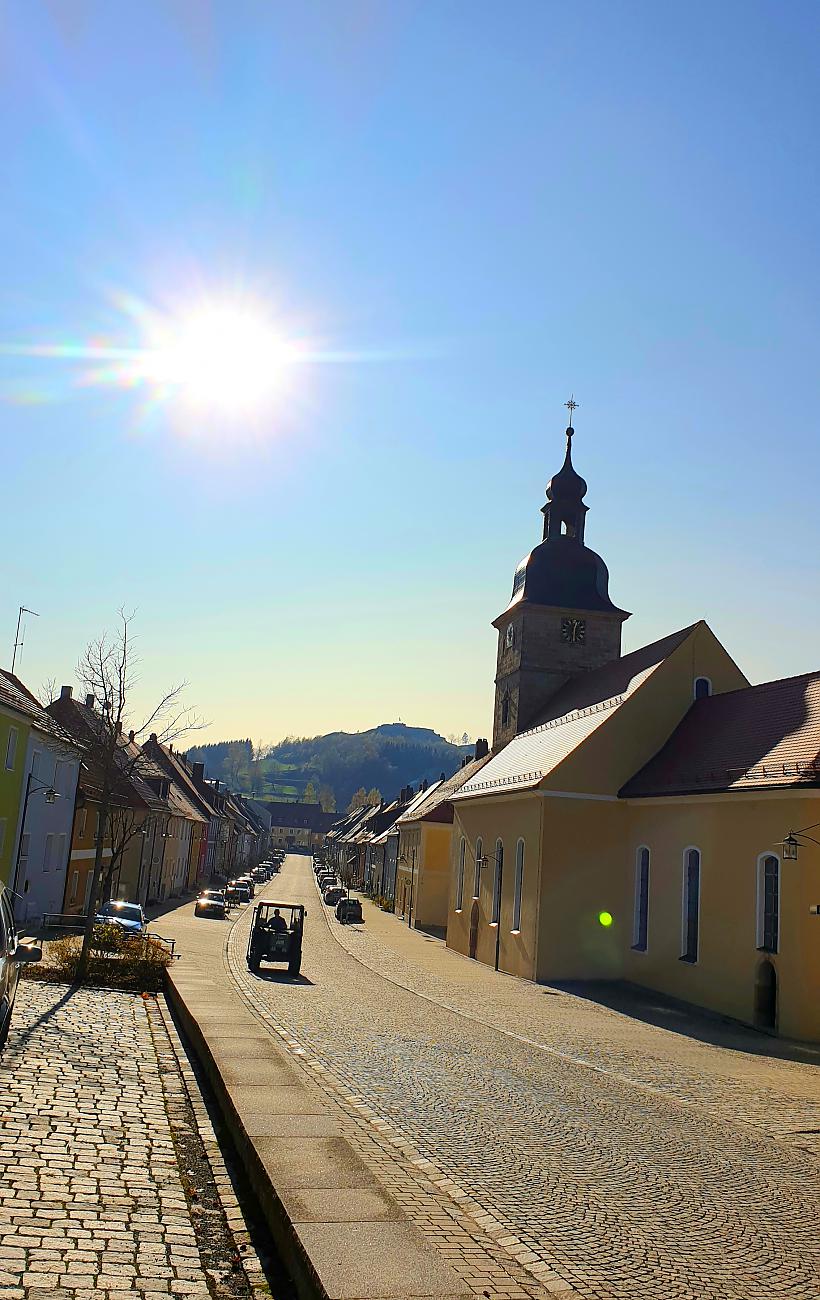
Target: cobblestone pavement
[(597, 1156), (97, 1105)]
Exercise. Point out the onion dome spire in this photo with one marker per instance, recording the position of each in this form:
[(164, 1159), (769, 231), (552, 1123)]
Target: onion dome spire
[(565, 512)]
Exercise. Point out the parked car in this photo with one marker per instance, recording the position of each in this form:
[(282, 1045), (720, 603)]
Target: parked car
[(249, 882), (332, 895), (238, 890), (12, 955), (211, 902), (349, 911), (326, 878), (129, 916)]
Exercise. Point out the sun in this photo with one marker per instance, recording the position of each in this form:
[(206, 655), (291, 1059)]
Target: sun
[(217, 357)]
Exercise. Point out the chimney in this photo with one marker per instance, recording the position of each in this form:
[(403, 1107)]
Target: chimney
[(65, 692), (153, 738), (89, 701), (131, 735), (482, 748), (170, 747), (199, 771), (423, 785), (441, 778)]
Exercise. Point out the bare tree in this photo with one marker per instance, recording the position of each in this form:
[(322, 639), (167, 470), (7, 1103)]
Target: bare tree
[(107, 670), (48, 692)]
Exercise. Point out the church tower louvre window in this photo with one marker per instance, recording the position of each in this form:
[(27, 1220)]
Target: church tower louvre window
[(560, 620)]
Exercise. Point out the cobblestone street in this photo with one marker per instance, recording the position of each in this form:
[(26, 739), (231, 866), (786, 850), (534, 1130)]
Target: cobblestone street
[(92, 1201), (595, 1155)]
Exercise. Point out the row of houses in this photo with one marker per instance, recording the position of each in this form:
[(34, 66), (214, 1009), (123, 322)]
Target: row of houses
[(169, 829), (649, 817)]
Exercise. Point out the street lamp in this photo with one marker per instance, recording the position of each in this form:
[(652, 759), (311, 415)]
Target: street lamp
[(791, 843), (51, 796)]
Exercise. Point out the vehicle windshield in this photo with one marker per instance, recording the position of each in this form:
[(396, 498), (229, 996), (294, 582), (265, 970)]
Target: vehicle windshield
[(124, 911), (211, 893)]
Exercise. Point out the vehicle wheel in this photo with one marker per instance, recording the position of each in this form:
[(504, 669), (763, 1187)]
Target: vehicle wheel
[(253, 965), (295, 965), (4, 1032)]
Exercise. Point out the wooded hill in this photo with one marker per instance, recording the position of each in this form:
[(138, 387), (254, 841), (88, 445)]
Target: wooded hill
[(333, 767)]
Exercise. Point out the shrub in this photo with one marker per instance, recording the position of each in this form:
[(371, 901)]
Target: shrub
[(132, 962)]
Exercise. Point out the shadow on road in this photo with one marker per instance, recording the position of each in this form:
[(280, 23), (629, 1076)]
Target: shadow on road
[(680, 1018), (281, 977)]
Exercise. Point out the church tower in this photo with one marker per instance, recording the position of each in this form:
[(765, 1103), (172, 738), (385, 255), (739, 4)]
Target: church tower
[(560, 620)]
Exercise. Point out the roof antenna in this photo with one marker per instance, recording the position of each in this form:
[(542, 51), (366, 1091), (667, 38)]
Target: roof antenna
[(18, 640)]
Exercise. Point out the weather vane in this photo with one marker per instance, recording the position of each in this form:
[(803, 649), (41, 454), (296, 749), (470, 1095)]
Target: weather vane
[(571, 406)]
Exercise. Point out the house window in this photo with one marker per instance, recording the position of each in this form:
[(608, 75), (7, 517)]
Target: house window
[(460, 879), (48, 852), (768, 902), (505, 709), (499, 866), (35, 764), (702, 688), (75, 881), (25, 841), (81, 820), (640, 922), (479, 850), (11, 749), (691, 905), (519, 884)]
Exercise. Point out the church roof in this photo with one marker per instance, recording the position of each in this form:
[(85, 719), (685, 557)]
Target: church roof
[(573, 714), (758, 737)]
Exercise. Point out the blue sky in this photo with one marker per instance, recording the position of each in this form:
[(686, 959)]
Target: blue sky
[(480, 208)]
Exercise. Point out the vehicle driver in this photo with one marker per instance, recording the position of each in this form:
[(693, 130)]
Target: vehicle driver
[(277, 922)]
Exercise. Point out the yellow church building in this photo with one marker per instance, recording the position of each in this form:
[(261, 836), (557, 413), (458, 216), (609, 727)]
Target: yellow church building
[(639, 817)]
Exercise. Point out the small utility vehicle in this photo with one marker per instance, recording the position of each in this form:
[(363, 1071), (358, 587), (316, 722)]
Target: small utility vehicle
[(276, 935)]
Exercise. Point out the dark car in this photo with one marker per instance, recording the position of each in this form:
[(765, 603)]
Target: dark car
[(12, 954), (332, 895), (128, 916), (211, 902), (238, 892), (349, 911), (327, 878), (249, 881)]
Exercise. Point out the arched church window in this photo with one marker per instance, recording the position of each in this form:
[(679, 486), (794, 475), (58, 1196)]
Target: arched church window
[(505, 709), (460, 882), (768, 902), (479, 850), (703, 688)]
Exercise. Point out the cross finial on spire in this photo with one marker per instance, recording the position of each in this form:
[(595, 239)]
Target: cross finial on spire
[(571, 406)]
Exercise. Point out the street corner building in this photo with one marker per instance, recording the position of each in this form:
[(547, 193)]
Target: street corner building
[(639, 816)]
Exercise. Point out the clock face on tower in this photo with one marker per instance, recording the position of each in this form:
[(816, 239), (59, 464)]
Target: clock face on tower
[(574, 629)]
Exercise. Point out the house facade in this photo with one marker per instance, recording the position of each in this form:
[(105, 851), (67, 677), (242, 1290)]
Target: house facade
[(49, 770)]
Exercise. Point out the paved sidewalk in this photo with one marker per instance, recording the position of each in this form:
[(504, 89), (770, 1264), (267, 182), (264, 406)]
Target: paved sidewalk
[(92, 1198)]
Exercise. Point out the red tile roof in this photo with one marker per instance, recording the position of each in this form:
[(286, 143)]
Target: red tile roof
[(758, 737)]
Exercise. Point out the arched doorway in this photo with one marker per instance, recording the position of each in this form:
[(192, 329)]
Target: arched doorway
[(474, 927), (766, 996)]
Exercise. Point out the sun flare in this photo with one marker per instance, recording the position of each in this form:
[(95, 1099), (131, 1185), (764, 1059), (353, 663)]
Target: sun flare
[(218, 357)]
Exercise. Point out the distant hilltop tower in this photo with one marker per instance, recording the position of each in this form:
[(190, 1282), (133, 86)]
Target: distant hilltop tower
[(560, 620)]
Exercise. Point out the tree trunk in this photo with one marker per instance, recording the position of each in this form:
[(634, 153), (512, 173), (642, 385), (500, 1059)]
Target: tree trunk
[(85, 953)]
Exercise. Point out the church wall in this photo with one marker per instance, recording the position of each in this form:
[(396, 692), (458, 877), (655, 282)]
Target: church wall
[(509, 819), (731, 833), (582, 876)]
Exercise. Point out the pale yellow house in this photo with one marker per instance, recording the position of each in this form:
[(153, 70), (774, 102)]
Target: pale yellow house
[(425, 843), (630, 821)]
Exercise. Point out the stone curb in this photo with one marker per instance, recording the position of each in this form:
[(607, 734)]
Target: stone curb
[(339, 1234)]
